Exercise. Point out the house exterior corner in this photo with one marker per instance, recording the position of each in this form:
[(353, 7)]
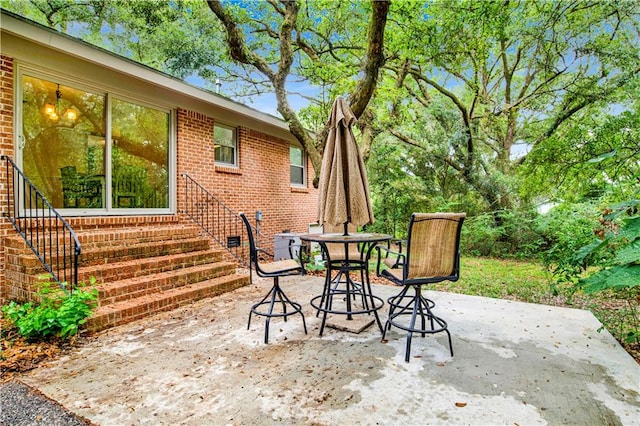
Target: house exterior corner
[(130, 135)]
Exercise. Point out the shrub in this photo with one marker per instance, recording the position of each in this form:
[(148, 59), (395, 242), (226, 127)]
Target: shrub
[(616, 251), (563, 230), (515, 238), (479, 235), (518, 236), (614, 258), (59, 312)]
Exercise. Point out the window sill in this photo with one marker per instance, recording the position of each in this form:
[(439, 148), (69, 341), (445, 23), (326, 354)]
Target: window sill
[(228, 169), (300, 189)]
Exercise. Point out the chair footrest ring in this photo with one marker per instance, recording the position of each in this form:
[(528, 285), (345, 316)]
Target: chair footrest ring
[(296, 308), (406, 301), (431, 320)]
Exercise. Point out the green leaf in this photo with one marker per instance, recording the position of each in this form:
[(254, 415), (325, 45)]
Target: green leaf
[(617, 278), (629, 254), (631, 228), (622, 208), (584, 252), (631, 337)]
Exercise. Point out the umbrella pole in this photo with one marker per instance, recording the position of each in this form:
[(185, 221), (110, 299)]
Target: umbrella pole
[(345, 229)]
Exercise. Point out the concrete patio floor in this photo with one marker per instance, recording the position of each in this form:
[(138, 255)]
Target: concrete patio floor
[(514, 363)]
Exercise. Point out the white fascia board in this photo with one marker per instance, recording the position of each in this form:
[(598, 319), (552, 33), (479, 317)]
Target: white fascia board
[(86, 52)]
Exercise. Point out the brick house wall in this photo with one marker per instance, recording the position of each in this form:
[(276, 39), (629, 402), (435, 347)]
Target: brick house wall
[(261, 182), (6, 148)]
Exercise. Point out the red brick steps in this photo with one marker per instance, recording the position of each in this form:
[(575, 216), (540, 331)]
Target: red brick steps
[(116, 291), (139, 270), (112, 271), (126, 311), (97, 255)]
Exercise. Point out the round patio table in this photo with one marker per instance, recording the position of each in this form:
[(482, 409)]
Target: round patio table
[(345, 265)]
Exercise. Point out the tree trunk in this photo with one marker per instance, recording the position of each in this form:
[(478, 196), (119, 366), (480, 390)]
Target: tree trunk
[(359, 98)]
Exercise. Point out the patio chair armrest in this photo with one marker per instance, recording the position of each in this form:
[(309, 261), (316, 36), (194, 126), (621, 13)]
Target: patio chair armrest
[(397, 241), (263, 251), (383, 254), (379, 249), (400, 258)]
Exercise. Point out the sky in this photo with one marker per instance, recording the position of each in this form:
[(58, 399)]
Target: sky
[(266, 102)]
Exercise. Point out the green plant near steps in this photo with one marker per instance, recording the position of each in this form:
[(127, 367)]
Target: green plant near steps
[(59, 312)]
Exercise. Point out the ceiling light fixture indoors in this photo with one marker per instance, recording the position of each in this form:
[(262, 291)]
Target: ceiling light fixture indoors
[(53, 111)]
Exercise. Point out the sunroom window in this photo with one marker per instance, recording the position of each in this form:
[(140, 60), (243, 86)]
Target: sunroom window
[(68, 155)]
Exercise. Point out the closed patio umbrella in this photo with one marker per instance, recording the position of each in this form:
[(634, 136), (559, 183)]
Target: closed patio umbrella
[(344, 189)]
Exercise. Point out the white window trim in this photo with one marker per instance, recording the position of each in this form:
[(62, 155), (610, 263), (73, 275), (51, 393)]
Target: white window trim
[(304, 168), (234, 130)]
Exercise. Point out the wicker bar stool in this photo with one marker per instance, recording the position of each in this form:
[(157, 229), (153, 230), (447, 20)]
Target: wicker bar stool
[(432, 255)]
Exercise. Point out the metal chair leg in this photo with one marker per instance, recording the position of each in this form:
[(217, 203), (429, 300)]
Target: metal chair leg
[(272, 298), (415, 305)]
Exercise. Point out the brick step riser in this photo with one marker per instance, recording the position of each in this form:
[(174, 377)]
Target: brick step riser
[(127, 290), (123, 222), (119, 254), (114, 237), (147, 266), (16, 243), (19, 246), (110, 254), (90, 240), (110, 317), (111, 269)]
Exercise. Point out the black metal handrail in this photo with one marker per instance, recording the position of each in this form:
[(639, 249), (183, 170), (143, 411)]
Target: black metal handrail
[(44, 230), (216, 219)]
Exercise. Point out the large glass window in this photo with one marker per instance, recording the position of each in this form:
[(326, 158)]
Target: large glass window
[(65, 152), (296, 159), (63, 134), (226, 146), (139, 156)]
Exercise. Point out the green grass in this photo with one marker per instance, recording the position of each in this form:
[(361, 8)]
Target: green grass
[(502, 279)]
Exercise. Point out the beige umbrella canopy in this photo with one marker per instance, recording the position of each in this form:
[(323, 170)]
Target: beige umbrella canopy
[(344, 189)]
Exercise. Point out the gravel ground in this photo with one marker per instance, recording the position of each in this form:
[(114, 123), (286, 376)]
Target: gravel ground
[(21, 405)]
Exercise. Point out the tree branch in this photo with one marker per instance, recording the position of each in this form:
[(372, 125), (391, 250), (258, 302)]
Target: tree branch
[(374, 58), (235, 40)]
